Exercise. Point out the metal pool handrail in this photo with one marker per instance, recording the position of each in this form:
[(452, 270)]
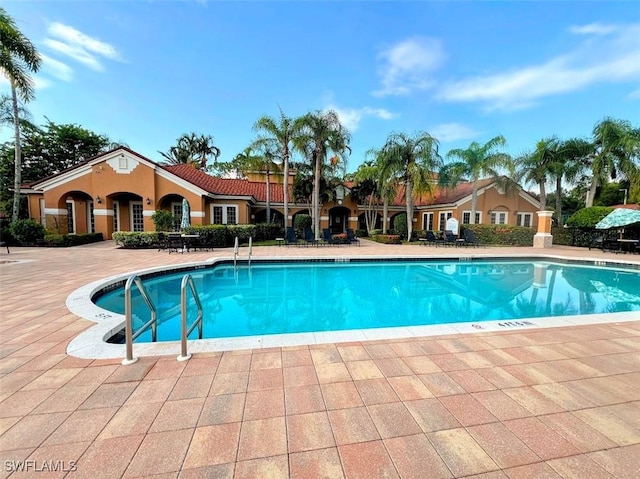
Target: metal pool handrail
[(235, 251), (128, 326), (184, 332)]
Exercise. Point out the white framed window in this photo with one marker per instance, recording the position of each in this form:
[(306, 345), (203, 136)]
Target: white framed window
[(91, 219), (137, 218), (116, 216), (524, 219), (427, 221), (444, 216), (224, 214), (499, 217), (71, 217), (466, 217)]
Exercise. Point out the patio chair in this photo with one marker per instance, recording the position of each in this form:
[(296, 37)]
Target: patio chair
[(163, 242), (351, 236), (3, 243), (290, 237), (430, 239), (309, 237), (327, 238), (175, 243), (470, 238), (449, 238)]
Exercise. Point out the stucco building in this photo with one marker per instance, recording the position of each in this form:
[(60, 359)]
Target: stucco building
[(120, 190)]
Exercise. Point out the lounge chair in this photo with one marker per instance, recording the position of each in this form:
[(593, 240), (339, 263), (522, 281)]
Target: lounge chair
[(327, 238), (430, 239), (469, 238), (450, 239), (4, 244), (309, 237), (290, 237), (351, 236)]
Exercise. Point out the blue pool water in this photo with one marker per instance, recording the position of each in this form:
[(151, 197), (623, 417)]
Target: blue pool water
[(289, 297)]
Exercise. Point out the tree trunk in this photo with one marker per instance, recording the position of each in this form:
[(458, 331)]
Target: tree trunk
[(17, 182), (316, 195), (409, 200), (385, 215), (591, 194), (268, 197), (474, 202), (285, 188), (559, 199), (543, 196)]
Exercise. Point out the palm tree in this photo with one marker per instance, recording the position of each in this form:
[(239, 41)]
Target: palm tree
[(202, 148), (476, 162), (248, 161), (18, 58), (278, 135), (413, 161), (617, 146), (367, 191), (536, 167), (567, 163), (321, 133)]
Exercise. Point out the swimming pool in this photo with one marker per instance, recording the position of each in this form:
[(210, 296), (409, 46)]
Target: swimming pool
[(313, 296)]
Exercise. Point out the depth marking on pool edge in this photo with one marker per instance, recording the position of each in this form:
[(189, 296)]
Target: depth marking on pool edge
[(507, 324)]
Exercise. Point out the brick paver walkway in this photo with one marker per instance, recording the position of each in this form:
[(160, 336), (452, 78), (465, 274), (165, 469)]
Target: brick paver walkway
[(545, 403)]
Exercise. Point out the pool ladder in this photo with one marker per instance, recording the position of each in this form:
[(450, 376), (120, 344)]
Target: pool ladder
[(187, 281), (235, 251)]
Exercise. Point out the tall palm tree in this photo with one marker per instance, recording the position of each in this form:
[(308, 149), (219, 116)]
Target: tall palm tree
[(278, 135), (192, 149), (320, 134), (475, 163), (617, 146), (536, 166), (263, 161), (202, 148), (18, 59), (413, 160), (567, 164)]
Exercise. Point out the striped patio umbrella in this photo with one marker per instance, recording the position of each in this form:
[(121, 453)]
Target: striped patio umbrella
[(618, 218)]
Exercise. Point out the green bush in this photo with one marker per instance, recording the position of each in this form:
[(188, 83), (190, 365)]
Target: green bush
[(588, 217), (362, 233), (340, 238), (505, 235), (216, 235), (572, 236), (268, 231), (137, 239), (400, 226), (300, 223), (243, 232), (27, 232), (387, 239), (163, 219)]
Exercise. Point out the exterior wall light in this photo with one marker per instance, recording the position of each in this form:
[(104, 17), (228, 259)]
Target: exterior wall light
[(98, 200), (148, 200)]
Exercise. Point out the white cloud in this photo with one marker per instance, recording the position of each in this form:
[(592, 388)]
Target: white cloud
[(406, 65), (614, 58), (351, 117), (592, 29), (56, 68), (452, 132), (85, 49)]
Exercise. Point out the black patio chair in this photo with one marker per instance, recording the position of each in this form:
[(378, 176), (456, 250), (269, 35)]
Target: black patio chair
[(309, 237), (430, 239), (449, 238), (351, 236), (290, 237), (469, 238), (327, 237), (175, 243)]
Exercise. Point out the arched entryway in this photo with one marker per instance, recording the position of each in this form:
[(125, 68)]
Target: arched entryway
[(276, 217), (377, 223), (339, 219)]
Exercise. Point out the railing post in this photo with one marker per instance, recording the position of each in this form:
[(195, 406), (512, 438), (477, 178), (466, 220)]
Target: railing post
[(128, 327), (183, 320)]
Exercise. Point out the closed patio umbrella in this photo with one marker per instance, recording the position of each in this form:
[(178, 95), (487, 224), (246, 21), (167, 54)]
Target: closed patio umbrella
[(185, 215), (619, 218)]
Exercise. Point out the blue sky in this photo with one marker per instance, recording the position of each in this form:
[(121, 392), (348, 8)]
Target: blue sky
[(145, 72)]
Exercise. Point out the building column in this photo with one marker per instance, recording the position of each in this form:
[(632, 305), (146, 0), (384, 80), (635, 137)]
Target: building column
[(543, 238)]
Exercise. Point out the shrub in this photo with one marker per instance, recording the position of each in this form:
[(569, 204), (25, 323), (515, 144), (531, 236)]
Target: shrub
[(387, 239), (216, 235), (572, 236), (502, 234), (135, 239), (300, 223), (588, 217), (268, 231), (400, 226), (163, 219), (340, 238), (27, 232), (243, 232), (362, 233)]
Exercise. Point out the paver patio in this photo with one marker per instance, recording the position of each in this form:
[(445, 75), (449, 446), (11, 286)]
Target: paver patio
[(545, 403)]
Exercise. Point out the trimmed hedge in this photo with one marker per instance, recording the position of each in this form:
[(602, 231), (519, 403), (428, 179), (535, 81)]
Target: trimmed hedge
[(505, 235), (386, 239), (27, 232), (58, 240), (136, 239), (588, 217)]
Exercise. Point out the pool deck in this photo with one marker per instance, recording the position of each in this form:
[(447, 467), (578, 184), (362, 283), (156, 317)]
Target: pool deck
[(533, 403)]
